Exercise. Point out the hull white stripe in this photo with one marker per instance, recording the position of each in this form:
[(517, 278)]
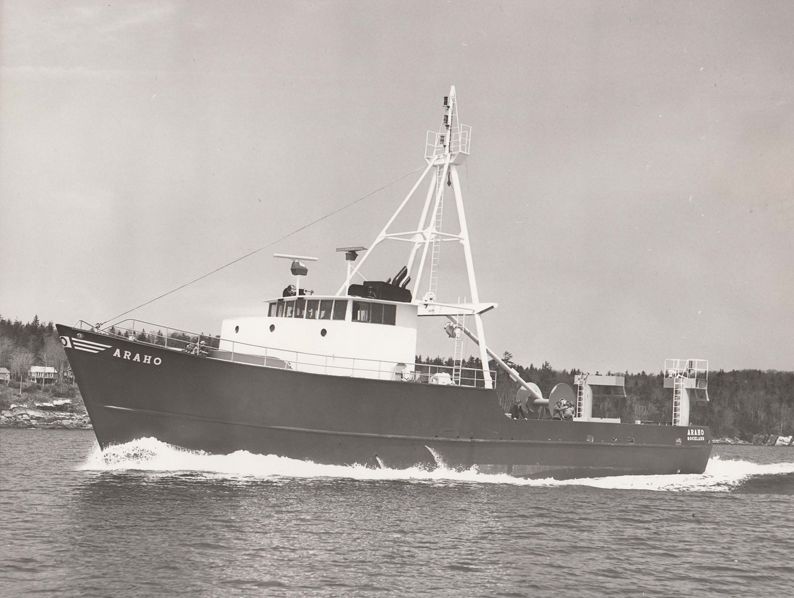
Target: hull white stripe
[(88, 346), (79, 341)]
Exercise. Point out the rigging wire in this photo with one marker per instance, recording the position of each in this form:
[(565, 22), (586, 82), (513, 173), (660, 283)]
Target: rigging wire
[(255, 251)]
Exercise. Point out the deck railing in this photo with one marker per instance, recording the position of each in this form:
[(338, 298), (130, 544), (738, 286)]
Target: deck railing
[(206, 345)]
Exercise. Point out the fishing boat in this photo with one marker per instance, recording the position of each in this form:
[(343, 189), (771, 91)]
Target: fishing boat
[(333, 378)]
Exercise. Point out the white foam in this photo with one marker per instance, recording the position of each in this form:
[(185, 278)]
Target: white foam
[(720, 476), (152, 456)]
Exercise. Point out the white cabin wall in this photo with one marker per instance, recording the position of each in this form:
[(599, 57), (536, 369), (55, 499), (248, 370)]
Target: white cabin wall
[(407, 318), (348, 348)]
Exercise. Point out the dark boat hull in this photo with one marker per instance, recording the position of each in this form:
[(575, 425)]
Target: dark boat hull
[(134, 390)]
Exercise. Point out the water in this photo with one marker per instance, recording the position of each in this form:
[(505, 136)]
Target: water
[(148, 519)]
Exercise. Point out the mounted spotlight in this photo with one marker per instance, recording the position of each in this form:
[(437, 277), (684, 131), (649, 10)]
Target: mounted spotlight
[(297, 267)]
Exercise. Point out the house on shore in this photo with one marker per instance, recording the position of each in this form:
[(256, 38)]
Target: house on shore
[(5, 375), (42, 374)]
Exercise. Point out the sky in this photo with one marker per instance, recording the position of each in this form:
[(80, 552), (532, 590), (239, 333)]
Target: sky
[(630, 189)]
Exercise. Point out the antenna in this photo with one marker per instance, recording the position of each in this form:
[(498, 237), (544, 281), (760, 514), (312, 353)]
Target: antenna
[(351, 255), (287, 256)]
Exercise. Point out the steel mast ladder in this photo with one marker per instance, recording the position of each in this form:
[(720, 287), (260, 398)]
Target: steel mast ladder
[(581, 383)]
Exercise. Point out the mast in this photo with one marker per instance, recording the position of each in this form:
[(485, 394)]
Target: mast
[(450, 147), (445, 150)]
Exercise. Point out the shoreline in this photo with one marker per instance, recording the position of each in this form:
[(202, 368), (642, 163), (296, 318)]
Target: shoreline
[(758, 440), (54, 406), (19, 416)]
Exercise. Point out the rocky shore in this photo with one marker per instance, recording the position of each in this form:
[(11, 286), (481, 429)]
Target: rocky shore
[(729, 441), (20, 416), (773, 440), (50, 406)]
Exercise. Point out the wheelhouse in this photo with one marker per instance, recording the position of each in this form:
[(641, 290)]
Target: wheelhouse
[(344, 335)]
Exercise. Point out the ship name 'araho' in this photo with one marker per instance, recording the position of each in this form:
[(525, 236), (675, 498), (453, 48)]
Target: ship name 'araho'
[(130, 356)]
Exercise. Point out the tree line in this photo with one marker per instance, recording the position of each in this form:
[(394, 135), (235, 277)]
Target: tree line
[(29, 344)]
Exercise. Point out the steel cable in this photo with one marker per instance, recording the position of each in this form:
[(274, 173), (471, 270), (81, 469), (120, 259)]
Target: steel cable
[(255, 251)]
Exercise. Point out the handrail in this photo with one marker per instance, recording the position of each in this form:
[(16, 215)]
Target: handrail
[(209, 346)]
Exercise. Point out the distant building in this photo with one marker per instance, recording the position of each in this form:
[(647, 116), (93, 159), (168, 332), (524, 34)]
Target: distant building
[(5, 375), (42, 373)]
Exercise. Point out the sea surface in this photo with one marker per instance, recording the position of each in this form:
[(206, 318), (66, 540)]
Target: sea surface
[(147, 519)]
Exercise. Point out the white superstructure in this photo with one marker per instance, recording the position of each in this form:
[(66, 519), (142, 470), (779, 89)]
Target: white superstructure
[(346, 336), (369, 328)]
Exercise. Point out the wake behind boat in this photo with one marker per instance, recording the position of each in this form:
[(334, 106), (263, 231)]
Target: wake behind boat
[(332, 378)]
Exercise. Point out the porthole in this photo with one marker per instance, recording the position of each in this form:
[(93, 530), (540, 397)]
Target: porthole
[(272, 327), (323, 332), (236, 329)]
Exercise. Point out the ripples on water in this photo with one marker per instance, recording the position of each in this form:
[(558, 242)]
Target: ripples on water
[(149, 519)]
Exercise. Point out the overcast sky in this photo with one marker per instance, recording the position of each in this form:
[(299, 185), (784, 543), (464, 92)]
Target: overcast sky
[(630, 190)]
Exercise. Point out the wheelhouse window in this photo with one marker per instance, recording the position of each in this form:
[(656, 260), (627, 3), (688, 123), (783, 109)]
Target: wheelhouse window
[(311, 308), (374, 313), (340, 307), (360, 311), (326, 306), (320, 309)]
